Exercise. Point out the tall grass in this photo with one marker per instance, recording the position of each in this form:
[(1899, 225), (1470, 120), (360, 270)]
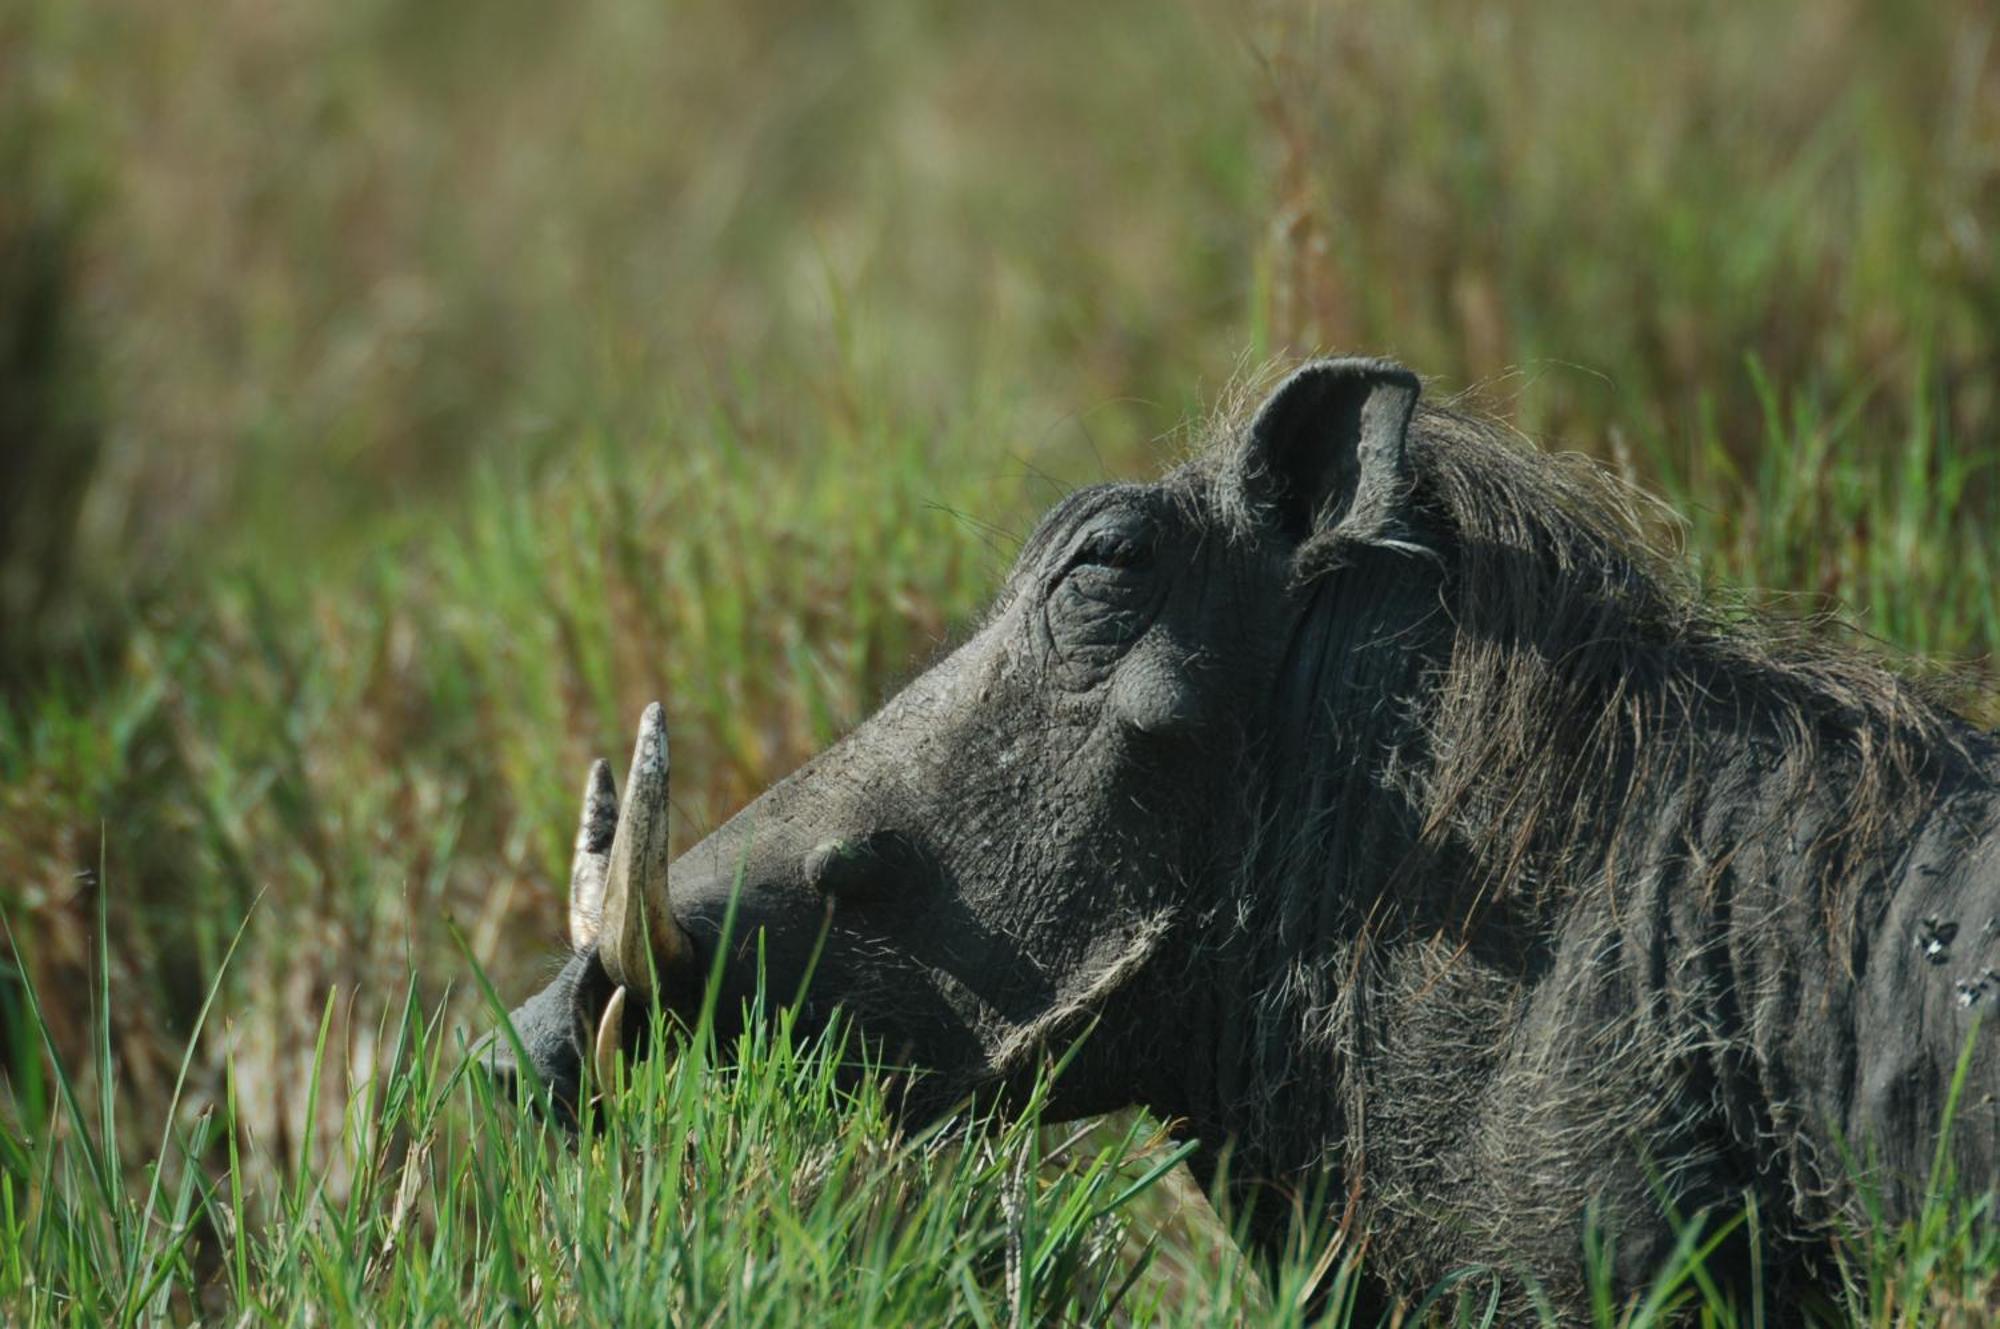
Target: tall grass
[(764, 1187), (761, 1183), (440, 384)]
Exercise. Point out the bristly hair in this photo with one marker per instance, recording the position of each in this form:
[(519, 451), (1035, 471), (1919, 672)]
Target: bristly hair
[(1587, 674), (1531, 736)]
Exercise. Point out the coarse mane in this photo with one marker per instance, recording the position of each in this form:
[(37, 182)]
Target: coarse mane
[(1529, 706), (1591, 676), (1586, 680)]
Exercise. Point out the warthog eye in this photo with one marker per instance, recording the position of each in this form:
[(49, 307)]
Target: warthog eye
[(1119, 543), (1112, 549), (1105, 595)]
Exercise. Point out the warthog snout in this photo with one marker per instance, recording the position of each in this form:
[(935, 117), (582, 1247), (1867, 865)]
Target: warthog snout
[(623, 934), (769, 887)]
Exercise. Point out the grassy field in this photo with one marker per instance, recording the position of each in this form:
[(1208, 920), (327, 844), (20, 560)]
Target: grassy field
[(393, 398)]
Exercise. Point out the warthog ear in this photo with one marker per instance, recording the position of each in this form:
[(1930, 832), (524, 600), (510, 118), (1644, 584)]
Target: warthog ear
[(1328, 451)]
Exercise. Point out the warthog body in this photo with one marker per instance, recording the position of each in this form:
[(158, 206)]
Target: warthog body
[(1405, 827)]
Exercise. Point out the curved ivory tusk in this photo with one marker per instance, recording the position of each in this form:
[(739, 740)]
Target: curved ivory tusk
[(610, 1038), (595, 828), (637, 920)]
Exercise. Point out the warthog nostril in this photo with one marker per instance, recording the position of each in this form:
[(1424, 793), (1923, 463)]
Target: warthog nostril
[(855, 865), (558, 1095)]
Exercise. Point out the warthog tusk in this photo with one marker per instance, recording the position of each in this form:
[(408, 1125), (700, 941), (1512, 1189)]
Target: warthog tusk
[(638, 929), (592, 862), (610, 1038)]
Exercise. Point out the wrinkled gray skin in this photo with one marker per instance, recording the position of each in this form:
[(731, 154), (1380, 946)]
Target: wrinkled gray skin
[(1183, 781)]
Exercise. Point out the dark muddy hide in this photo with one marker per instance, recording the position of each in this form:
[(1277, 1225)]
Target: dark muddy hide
[(1413, 834)]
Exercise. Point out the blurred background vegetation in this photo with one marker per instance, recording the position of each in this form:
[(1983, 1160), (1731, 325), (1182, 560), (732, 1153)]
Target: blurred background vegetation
[(394, 397)]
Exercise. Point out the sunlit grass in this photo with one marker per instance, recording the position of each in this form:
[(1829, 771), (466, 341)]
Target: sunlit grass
[(767, 1186)]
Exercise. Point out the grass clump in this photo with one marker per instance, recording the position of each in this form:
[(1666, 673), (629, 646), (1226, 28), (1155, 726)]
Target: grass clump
[(767, 1186)]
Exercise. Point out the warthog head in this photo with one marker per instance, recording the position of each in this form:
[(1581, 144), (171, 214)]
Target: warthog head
[(1040, 833)]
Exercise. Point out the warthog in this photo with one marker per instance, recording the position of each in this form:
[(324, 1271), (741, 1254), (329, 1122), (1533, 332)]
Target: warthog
[(1404, 825)]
